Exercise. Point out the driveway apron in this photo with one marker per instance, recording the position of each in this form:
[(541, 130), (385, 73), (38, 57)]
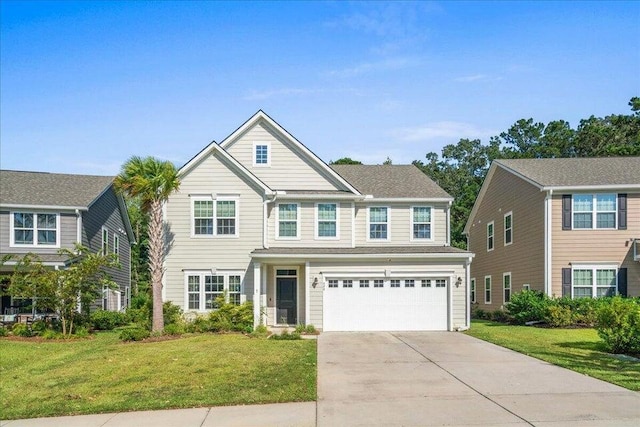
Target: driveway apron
[(448, 378)]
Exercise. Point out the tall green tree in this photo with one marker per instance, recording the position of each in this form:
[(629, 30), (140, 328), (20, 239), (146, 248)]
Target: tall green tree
[(346, 161), (151, 181)]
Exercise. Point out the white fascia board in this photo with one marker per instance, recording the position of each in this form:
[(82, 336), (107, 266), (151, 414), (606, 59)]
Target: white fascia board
[(408, 199), (571, 188), (261, 115), (285, 196), (44, 207), (45, 263), (460, 256)]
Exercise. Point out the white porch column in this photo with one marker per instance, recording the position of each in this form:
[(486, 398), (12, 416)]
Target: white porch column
[(256, 293), (307, 292)]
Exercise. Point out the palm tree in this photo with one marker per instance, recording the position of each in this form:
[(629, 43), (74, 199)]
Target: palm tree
[(152, 181)]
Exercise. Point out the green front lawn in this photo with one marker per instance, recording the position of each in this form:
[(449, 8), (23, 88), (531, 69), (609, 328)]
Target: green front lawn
[(49, 378), (580, 350)]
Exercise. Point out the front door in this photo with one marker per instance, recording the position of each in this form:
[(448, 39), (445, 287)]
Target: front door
[(286, 301)]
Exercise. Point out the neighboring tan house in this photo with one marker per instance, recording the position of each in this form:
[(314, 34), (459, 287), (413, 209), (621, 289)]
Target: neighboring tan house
[(567, 227), (42, 213), (259, 217)]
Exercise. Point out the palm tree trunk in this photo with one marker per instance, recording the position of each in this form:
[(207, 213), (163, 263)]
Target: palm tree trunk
[(156, 250)]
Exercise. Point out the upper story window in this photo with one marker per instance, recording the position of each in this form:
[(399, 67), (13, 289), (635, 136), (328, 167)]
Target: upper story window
[(508, 228), (378, 223), (105, 241), (421, 222), (116, 246), (261, 154), (594, 211), (327, 220), (288, 220), (215, 218), (35, 229), (490, 236)]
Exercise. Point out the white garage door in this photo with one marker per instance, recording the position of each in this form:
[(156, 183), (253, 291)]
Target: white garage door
[(385, 305)]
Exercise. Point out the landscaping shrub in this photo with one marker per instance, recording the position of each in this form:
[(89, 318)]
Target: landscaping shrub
[(172, 313), (231, 317), (21, 330), (81, 332), (499, 316), (618, 324), (558, 316), (140, 316), (286, 335), (174, 329), (38, 327), (134, 334), (50, 334), (479, 313), (260, 331), (527, 306), (105, 320), (306, 329), (3, 331)]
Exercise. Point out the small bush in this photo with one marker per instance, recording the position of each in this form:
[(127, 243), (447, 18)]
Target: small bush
[(500, 316), (260, 331), (3, 331), (527, 306), (139, 316), (286, 335), (21, 330), (50, 334), (141, 300), (558, 316), (618, 324), (81, 332), (172, 313), (478, 313), (108, 320), (231, 317), (38, 327), (174, 329), (134, 334)]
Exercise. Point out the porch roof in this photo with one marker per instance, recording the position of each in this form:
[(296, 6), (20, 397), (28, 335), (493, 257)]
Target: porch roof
[(362, 252)]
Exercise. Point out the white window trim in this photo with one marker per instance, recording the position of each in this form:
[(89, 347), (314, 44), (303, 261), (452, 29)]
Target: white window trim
[(526, 287), (418, 239), (337, 221), (594, 267), (253, 153), (368, 231), (504, 225), (116, 246), (504, 276), (12, 236), (474, 294), (202, 273), (104, 243), (493, 236), (277, 227), (484, 290), (215, 234), (594, 211)]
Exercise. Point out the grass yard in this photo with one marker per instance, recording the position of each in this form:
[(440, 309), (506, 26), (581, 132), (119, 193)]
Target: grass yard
[(105, 375), (580, 350)]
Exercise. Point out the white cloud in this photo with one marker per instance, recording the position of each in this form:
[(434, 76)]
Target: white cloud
[(441, 130), (390, 64)]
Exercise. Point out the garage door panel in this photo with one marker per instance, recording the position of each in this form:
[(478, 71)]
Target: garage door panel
[(385, 309)]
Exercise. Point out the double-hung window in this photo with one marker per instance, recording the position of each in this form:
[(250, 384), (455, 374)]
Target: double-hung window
[(472, 297), (35, 229), (215, 217), (508, 228), (204, 289), (327, 220), (487, 289), (288, 219), (594, 211), (490, 236), (594, 281), (506, 287), (378, 223), (105, 241), (421, 222), (116, 246), (261, 154)]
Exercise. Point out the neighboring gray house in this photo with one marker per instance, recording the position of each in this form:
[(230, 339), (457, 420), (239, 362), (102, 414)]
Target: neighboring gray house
[(44, 212), (346, 247)]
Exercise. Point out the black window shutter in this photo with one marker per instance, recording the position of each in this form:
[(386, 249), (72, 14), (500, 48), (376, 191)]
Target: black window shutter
[(566, 211), (622, 211), (566, 282), (622, 281)]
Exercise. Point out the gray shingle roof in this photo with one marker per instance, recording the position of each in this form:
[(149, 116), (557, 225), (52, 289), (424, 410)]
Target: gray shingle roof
[(390, 181), (570, 172), (362, 250), (50, 189)]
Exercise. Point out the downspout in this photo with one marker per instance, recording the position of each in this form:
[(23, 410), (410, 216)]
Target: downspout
[(78, 226), (448, 241), (265, 220), (468, 280), (548, 203)]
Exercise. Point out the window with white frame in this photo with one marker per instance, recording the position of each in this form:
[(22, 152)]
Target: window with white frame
[(421, 222), (506, 287), (364, 283), (526, 287), (35, 229), (490, 235), (116, 246), (594, 281), (378, 283), (217, 217), (378, 223), (594, 211), (472, 295), (105, 241), (409, 283), (394, 283), (288, 220), (333, 283), (262, 155), (426, 283), (487, 290), (441, 283), (327, 220), (347, 283), (508, 228), (204, 289)]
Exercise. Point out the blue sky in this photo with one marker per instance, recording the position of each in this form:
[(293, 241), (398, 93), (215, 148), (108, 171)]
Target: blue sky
[(84, 86)]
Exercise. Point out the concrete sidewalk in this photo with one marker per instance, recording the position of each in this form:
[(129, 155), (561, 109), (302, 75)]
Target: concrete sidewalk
[(280, 414)]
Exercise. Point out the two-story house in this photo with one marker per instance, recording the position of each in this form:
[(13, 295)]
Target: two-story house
[(260, 217), (566, 227), (42, 213)]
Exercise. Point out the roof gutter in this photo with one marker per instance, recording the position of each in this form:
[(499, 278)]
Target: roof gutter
[(461, 255), (48, 207), (561, 188)]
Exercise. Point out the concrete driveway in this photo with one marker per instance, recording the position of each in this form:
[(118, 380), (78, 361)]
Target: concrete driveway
[(443, 378)]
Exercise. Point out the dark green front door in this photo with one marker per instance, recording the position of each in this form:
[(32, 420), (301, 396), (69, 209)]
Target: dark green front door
[(286, 300)]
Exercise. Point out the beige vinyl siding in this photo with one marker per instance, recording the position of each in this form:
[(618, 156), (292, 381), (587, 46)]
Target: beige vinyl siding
[(399, 227), (399, 267), (289, 169), (68, 233), (524, 258), (596, 245), (307, 224), (211, 176)]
